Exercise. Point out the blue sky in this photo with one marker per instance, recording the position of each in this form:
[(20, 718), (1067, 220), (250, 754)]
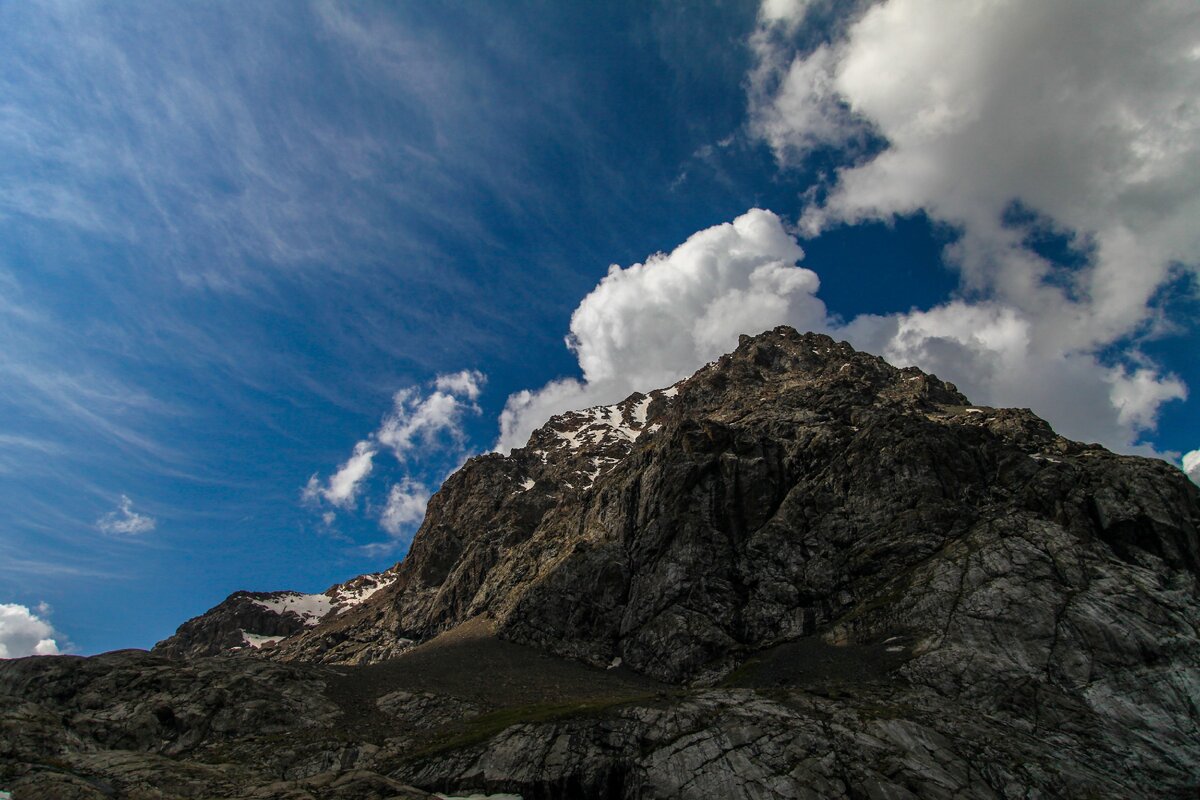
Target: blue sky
[(230, 234)]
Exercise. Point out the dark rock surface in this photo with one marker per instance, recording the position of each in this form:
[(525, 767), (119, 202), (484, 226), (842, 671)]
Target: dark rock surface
[(259, 619), (821, 576), (224, 627)]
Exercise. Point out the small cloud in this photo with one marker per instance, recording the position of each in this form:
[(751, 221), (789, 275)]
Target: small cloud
[(24, 633), (125, 520), (423, 422), (419, 420), (1138, 395), (405, 509), (467, 382), (343, 486), (405, 506)]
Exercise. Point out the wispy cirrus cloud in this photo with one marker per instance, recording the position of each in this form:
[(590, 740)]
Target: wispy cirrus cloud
[(180, 194), (190, 144), (100, 107), (224, 228)]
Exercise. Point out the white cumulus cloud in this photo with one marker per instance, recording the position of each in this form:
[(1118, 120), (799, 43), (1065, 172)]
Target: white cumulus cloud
[(786, 11), (650, 324), (1010, 121), (1191, 465), (994, 355), (25, 633), (125, 520)]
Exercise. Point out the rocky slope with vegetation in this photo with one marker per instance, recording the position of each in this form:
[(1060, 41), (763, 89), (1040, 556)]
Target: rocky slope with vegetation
[(801, 572)]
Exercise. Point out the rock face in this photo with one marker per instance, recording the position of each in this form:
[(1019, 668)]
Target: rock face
[(791, 487), (833, 578), (244, 619), (495, 529)]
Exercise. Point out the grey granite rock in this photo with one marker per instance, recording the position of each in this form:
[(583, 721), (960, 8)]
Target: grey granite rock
[(843, 579)]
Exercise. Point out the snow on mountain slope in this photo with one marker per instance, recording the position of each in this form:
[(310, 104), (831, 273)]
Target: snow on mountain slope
[(312, 608), (253, 619), (598, 438), (309, 607)]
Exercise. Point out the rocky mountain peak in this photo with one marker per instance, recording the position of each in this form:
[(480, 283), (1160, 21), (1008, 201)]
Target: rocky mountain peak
[(799, 572), (777, 492), (772, 494)]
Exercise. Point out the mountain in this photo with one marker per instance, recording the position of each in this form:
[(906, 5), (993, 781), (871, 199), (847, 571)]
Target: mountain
[(261, 619), (801, 572)]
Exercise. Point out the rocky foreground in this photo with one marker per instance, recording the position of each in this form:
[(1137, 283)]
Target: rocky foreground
[(799, 573)]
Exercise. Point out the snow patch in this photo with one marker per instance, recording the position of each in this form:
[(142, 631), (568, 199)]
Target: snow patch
[(609, 430), (309, 607), (599, 464), (527, 484), (256, 640), (357, 591), (641, 409), (597, 424)]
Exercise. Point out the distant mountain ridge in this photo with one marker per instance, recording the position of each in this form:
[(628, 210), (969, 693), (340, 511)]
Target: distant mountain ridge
[(257, 619)]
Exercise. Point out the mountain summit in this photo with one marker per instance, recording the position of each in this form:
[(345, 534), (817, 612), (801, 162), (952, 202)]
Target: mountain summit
[(801, 572)]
